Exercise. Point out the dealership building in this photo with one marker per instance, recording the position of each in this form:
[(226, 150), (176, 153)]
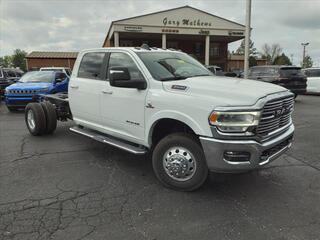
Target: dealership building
[(191, 30), (196, 32)]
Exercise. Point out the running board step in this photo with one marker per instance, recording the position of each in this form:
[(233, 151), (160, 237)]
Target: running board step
[(109, 140)]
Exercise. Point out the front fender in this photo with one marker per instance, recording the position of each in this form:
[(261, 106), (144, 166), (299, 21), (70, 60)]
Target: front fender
[(175, 115)]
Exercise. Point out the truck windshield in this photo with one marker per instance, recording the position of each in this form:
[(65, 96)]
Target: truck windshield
[(166, 66), (31, 77)]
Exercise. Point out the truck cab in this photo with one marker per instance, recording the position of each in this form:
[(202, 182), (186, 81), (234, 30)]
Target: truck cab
[(164, 101)]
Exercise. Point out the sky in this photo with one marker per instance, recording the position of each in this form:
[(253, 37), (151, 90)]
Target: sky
[(73, 25)]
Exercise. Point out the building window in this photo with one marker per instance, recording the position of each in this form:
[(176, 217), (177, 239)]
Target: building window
[(126, 43), (171, 44), (214, 51), (198, 49)]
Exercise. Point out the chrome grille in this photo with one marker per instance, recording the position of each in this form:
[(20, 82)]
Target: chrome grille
[(275, 115)]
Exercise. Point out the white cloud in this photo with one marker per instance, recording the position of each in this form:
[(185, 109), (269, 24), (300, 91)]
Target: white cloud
[(78, 24), (63, 22)]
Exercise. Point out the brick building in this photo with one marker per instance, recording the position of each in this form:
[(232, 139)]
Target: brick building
[(237, 62), (36, 59)]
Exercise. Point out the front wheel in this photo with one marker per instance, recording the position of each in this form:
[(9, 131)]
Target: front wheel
[(179, 163)]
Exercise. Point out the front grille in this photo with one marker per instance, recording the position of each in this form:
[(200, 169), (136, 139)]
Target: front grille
[(275, 114), (23, 91)]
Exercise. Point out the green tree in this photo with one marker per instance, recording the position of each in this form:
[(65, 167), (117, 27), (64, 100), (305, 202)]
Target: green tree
[(271, 52), (6, 61), (282, 60), (307, 62), (19, 59), (252, 49), (252, 61)]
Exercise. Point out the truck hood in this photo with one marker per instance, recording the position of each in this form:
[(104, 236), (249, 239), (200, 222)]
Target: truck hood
[(29, 86), (224, 91)]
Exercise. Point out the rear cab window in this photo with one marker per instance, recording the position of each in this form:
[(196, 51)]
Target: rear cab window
[(263, 71), (10, 74), (91, 66), (290, 71)]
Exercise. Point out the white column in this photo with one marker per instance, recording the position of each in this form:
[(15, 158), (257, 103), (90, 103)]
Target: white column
[(164, 40), (207, 50), (247, 38), (116, 39)]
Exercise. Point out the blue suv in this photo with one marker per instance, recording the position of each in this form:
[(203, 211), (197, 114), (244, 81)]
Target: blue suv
[(31, 84)]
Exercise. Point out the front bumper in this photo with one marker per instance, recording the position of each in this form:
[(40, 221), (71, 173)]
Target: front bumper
[(18, 101), (259, 154)]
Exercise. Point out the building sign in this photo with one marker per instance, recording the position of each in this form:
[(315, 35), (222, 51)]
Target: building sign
[(204, 32), (185, 22), (168, 30), (236, 33), (133, 28)]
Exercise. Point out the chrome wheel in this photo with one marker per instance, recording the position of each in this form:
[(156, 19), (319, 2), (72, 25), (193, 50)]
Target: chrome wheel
[(30, 118), (179, 163)]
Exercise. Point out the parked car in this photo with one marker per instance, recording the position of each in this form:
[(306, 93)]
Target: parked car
[(216, 70), (57, 69), (166, 102), (239, 72), (313, 80), (8, 76), (31, 84), (290, 77)]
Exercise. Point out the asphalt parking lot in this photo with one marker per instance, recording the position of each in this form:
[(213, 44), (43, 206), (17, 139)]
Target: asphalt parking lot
[(66, 186)]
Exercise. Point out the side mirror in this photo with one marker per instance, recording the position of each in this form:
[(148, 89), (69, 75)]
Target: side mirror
[(120, 77)]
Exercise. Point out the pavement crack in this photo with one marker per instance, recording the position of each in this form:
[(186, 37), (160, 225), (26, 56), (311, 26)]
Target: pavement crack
[(305, 162)]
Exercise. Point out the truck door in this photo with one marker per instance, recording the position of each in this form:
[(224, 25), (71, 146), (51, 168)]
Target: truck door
[(122, 109), (85, 89)]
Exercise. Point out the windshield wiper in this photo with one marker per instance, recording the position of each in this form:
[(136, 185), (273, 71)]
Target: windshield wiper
[(171, 70), (173, 78), (200, 75)]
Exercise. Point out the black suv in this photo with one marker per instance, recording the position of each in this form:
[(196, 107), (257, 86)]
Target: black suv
[(290, 77), (7, 77)]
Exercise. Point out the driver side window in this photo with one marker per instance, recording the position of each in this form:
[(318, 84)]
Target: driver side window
[(124, 60)]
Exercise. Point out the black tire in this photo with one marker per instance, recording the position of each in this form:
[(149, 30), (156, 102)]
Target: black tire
[(51, 117), (39, 118), (12, 109), (190, 143), (295, 95)]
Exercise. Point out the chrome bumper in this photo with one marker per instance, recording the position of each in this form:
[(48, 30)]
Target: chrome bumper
[(215, 149)]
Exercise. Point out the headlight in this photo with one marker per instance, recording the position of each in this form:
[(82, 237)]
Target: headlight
[(234, 121)]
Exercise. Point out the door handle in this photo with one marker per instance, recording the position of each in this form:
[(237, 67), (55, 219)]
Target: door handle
[(75, 87), (107, 92)]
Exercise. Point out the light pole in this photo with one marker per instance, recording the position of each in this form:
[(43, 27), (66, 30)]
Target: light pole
[(247, 38), (304, 52)]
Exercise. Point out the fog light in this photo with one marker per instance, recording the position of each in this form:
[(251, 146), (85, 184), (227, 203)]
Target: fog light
[(236, 156)]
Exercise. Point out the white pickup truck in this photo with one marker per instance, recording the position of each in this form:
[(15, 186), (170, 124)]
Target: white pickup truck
[(164, 101)]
